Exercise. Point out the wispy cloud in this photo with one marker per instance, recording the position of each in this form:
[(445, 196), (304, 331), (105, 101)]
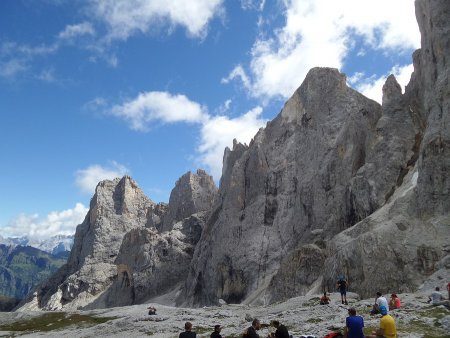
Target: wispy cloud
[(73, 31), (125, 18), (320, 33), (87, 179), (216, 131), (16, 59), (372, 86), (55, 223)]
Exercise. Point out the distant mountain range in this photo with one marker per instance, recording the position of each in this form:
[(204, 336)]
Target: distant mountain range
[(22, 268), (53, 245)]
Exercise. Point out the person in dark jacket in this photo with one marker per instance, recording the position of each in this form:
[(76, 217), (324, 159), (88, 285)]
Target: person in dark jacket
[(216, 333), (188, 331), (281, 332), (251, 331)]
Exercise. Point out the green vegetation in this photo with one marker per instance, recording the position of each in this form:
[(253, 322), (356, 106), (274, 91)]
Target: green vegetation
[(200, 329), (23, 268), (417, 326), (54, 321), (313, 301), (314, 320)]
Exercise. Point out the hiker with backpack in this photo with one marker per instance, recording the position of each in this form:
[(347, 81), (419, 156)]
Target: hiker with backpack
[(342, 285)]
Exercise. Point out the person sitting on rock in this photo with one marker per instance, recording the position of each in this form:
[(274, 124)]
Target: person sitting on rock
[(342, 285), (251, 331), (151, 310), (281, 332), (188, 333), (379, 301), (216, 333), (436, 298), (387, 327), (325, 299), (394, 302), (353, 325)]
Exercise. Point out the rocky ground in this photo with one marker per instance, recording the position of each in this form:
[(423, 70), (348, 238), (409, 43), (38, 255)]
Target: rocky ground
[(302, 315)]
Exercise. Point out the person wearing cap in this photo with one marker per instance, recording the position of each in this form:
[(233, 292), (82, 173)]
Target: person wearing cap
[(353, 325), (387, 327), (379, 301), (216, 333), (188, 333), (394, 302), (281, 332)]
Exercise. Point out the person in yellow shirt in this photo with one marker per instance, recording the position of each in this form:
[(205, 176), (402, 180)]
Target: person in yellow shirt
[(387, 327)]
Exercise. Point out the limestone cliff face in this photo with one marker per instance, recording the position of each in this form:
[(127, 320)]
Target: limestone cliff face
[(192, 193), (337, 184), (119, 257), (406, 241), (290, 186)]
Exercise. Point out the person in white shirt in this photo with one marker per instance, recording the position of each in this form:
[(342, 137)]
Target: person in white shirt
[(379, 301)]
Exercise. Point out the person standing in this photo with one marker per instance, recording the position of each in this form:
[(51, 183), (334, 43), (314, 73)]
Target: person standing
[(353, 325), (342, 285), (387, 327), (187, 331)]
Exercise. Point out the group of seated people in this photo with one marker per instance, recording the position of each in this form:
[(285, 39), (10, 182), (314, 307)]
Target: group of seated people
[(353, 326)]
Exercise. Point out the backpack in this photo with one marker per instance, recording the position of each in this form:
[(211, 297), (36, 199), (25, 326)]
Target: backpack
[(334, 335)]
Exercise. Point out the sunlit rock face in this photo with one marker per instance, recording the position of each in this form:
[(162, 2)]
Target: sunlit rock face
[(336, 184), (119, 256)]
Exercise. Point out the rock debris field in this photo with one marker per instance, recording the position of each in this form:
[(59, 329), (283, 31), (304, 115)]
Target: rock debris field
[(302, 315)]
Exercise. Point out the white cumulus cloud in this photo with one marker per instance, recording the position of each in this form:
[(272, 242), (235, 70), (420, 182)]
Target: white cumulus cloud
[(150, 107), (321, 33), (87, 179), (373, 87), (55, 223), (216, 131), (125, 18)]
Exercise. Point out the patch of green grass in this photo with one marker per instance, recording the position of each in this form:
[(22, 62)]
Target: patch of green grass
[(200, 329), (369, 329), (434, 312), (53, 321), (313, 301), (314, 320), (417, 326)]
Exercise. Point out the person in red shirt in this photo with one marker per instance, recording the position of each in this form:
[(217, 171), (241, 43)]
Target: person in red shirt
[(394, 302), (448, 289)]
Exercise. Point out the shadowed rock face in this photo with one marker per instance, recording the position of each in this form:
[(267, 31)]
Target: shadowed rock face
[(119, 257)]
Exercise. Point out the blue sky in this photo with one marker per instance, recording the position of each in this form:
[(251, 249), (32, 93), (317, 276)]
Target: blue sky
[(92, 90)]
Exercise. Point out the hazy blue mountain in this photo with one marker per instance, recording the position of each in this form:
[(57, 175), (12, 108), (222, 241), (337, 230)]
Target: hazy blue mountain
[(24, 267)]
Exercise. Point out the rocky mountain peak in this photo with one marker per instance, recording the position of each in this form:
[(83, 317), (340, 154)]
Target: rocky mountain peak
[(193, 193), (392, 91)]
